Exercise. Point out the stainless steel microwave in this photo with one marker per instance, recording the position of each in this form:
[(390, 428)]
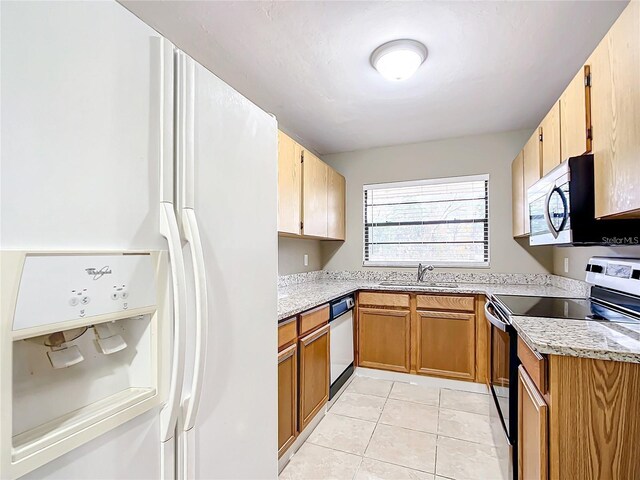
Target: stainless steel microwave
[(562, 209)]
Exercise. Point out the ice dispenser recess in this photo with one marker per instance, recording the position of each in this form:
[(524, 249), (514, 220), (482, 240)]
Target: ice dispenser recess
[(83, 337)]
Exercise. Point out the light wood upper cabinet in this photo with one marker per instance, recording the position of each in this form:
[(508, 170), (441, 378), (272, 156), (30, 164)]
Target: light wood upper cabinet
[(446, 344), (384, 339), (314, 374), (550, 126), (517, 195), (311, 194), (336, 197), (289, 184), (615, 107), (575, 116), (314, 196), (532, 160), (287, 398), (533, 448)]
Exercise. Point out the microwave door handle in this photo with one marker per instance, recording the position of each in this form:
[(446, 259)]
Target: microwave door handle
[(547, 214), (494, 320)]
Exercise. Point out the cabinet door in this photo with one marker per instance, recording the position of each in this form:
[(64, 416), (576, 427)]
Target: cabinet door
[(289, 184), (532, 160), (336, 205), (517, 195), (287, 398), (575, 117), (615, 107), (533, 445), (446, 344), (384, 339), (314, 195), (550, 127), (314, 374)]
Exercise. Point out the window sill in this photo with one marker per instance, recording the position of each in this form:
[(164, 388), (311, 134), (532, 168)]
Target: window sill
[(435, 265)]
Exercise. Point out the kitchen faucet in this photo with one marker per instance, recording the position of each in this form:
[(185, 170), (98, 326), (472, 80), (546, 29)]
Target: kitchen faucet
[(422, 270)]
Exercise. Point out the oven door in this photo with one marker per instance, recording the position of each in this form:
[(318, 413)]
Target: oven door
[(502, 350)]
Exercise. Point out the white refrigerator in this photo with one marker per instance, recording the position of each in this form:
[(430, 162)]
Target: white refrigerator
[(113, 140)]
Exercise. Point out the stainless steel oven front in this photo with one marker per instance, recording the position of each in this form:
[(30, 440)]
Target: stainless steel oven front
[(503, 385)]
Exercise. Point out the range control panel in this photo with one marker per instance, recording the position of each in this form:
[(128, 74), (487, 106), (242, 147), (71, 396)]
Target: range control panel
[(59, 288)]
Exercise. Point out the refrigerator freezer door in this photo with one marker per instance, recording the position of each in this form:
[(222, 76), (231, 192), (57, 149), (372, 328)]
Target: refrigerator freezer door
[(80, 167), (235, 200), (80, 142)]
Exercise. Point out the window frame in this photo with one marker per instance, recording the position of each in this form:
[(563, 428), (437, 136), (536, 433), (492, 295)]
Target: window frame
[(416, 183)]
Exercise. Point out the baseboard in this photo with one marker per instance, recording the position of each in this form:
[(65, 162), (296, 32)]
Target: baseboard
[(422, 380)]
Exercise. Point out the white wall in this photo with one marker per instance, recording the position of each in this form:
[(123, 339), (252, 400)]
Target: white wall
[(490, 154), (291, 255), (579, 256)]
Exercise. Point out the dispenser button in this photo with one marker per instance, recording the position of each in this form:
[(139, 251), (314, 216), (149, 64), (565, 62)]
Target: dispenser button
[(85, 300), (73, 301), (125, 294), (114, 296)]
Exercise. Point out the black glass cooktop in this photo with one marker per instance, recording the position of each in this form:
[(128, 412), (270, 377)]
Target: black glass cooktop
[(559, 307)]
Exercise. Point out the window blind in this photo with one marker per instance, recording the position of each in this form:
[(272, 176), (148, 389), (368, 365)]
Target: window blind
[(442, 222)]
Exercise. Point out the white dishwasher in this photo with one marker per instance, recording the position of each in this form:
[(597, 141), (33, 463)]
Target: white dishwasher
[(341, 345)]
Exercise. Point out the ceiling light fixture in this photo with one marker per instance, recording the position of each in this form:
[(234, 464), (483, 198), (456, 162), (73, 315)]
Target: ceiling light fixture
[(399, 59)]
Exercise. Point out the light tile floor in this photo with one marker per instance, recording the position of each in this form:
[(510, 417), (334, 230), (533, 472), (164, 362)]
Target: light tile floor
[(386, 430)]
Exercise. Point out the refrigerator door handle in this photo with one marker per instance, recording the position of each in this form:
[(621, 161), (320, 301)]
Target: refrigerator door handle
[(171, 409), (192, 235)]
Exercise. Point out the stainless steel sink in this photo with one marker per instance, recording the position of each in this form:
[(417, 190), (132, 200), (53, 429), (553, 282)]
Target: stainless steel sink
[(401, 283)]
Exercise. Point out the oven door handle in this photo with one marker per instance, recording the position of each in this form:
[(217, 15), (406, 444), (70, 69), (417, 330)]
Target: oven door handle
[(493, 319)]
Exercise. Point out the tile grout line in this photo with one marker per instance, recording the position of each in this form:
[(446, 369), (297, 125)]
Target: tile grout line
[(378, 422), (362, 457), (386, 399)]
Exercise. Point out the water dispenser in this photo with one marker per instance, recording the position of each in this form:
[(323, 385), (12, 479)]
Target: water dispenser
[(81, 349)]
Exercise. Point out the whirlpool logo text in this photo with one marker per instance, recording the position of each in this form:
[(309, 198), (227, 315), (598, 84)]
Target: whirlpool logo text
[(98, 273)]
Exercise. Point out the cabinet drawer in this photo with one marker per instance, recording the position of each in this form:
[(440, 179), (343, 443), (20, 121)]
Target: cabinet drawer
[(287, 332), (313, 319), (535, 365), (384, 299), (446, 302)]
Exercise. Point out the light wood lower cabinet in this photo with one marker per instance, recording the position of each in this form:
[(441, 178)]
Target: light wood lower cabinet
[(446, 344), (314, 374), (384, 339), (287, 398), (533, 455)]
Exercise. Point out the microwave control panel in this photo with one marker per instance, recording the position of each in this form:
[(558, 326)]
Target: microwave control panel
[(60, 288)]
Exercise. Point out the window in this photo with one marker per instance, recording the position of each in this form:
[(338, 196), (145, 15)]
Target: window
[(443, 222)]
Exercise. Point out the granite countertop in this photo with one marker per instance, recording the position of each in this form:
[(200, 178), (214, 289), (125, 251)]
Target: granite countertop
[(578, 338), (297, 298)]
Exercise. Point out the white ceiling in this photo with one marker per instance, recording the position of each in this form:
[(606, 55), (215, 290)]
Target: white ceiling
[(492, 66)]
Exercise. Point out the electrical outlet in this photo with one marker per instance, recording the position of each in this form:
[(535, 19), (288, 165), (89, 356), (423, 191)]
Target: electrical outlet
[(566, 264), (306, 260)]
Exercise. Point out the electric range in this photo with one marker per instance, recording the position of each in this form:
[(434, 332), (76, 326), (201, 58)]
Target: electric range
[(614, 297)]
